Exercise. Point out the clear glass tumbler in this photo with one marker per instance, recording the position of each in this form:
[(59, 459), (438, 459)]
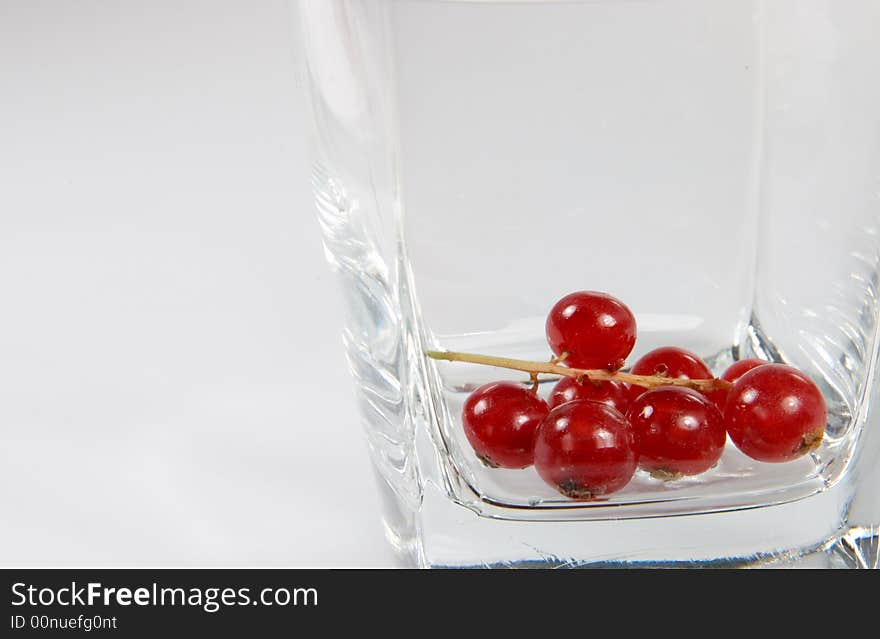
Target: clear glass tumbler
[(716, 165)]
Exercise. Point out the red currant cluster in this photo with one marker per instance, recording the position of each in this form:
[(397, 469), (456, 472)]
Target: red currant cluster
[(668, 415)]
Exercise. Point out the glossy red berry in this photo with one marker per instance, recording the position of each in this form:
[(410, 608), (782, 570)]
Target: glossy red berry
[(585, 449), (679, 431), (568, 389), (594, 329), (775, 413), (740, 368), (500, 420), (672, 362), (733, 373)]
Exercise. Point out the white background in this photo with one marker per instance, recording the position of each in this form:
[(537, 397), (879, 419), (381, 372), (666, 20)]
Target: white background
[(173, 390)]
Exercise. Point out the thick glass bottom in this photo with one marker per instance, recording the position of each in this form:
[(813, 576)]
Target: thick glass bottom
[(812, 532)]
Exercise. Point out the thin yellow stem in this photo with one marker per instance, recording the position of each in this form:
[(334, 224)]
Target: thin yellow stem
[(596, 375)]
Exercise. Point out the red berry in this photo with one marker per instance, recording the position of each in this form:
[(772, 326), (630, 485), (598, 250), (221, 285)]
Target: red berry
[(740, 368), (595, 329), (672, 362), (775, 413), (679, 431), (733, 373), (568, 389), (585, 449), (500, 420)]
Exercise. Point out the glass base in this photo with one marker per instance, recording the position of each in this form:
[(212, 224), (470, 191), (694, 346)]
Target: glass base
[(857, 549), (806, 533)]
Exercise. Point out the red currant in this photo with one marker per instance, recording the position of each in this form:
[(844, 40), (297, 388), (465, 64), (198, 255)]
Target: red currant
[(775, 413), (679, 431), (500, 420), (585, 449), (669, 361), (594, 329), (568, 389), (733, 373)]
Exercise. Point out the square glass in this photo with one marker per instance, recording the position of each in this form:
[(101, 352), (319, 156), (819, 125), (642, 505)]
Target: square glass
[(716, 165)]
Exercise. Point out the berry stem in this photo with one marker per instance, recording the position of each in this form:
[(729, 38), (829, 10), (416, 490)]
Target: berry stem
[(596, 375)]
